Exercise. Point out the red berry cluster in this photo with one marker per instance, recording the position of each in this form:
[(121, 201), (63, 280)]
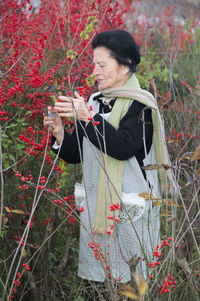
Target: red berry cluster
[(167, 284), (96, 247), (157, 254)]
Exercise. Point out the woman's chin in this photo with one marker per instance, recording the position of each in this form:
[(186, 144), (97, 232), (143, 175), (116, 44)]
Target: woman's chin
[(102, 86)]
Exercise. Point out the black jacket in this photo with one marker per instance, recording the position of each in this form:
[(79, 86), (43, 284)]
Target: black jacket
[(122, 143)]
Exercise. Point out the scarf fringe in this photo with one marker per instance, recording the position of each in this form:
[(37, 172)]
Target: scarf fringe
[(98, 229), (102, 230)]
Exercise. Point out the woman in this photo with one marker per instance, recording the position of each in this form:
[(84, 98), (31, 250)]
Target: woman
[(113, 138)]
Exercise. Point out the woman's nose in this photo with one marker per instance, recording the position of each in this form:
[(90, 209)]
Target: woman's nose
[(96, 70)]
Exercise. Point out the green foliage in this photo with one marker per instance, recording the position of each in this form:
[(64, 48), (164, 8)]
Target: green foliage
[(152, 68), (12, 147), (71, 54), (90, 80), (89, 28), (4, 230)]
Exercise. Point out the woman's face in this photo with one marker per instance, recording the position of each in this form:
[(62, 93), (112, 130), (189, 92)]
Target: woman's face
[(108, 73)]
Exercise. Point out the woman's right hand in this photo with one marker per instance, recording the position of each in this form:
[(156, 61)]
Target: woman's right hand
[(55, 125)]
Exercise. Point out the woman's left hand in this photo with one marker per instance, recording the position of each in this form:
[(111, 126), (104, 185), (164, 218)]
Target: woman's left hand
[(74, 107)]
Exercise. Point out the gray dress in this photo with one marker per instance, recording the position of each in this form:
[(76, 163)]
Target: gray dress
[(139, 237)]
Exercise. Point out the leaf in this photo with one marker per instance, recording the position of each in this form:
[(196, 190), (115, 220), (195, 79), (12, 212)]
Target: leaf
[(32, 246), (196, 154), (166, 166), (90, 80), (166, 202), (11, 157), (84, 34), (62, 164), (171, 202), (71, 54), (14, 211), (54, 98), (151, 167), (56, 80), (17, 211), (5, 220), (170, 141), (198, 171), (147, 195), (141, 283), (164, 214), (24, 254), (7, 209), (186, 155), (144, 195), (156, 166), (129, 292), (92, 18), (157, 203)]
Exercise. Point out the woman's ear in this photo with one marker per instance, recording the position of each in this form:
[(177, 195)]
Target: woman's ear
[(125, 70)]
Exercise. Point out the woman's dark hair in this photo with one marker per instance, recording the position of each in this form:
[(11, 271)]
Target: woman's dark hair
[(122, 46)]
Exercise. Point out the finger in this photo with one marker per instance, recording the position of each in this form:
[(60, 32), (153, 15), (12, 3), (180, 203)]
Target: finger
[(77, 95), (47, 119), (65, 99), (47, 124), (68, 114), (62, 105), (63, 110)]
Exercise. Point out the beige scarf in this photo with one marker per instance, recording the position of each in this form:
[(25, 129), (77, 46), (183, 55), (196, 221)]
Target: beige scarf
[(111, 170)]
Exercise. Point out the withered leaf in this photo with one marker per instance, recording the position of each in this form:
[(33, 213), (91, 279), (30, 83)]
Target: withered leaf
[(151, 167), (164, 106), (134, 293), (186, 155), (24, 254), (157, 203), (166, 202), (156, 166), (5, 220), (147, 195), (164, 214), (196, 154), (32, 246), (166, 166), (129, 292), (141, 283), (7, 209), (17, 211), (198, 171)]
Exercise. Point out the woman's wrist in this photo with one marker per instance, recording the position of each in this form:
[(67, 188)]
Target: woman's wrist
[(59, 137)]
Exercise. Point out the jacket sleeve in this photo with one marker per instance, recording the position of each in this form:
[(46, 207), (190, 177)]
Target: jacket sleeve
[(71, 148), (128, 139)]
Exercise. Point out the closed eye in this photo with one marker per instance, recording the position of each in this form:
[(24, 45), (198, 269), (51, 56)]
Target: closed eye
[(100, 65)]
